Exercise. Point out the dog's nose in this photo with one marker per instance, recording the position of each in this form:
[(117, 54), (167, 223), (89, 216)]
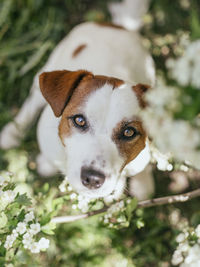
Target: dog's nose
[(91, 178)]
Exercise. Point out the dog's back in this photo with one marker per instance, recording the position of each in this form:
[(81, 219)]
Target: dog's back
[(106, 50)]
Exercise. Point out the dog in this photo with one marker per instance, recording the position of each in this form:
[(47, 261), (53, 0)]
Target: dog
[(91, 93)]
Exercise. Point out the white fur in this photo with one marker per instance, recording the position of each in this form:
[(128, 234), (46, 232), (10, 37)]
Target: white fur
[(110, 52), (104, 109), (107, 107)]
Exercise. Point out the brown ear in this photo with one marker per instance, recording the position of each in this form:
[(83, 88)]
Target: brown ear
[(57, 87), (140, 89)]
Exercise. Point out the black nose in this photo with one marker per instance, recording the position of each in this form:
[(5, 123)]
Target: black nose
[(91, 178)]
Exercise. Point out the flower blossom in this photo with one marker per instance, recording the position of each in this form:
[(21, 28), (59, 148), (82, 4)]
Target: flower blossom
[(29, 216), (34, 228), (172, 135), (21, 228), (186, 69)]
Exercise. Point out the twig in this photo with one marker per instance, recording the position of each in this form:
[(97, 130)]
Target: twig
[(141, 204), (65, 219), (169, 199)]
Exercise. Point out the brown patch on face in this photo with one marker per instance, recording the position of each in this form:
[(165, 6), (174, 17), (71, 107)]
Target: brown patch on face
[(140, 90), (101, 80), (129, 148), (78, 50), (108, 24), (87, 85), (57, 87)]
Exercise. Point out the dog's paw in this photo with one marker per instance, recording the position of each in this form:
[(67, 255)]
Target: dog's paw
[(44, 167), (10, 136)]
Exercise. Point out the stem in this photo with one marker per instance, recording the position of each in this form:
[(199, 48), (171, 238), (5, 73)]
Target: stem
[(141, 204), (169, 200)]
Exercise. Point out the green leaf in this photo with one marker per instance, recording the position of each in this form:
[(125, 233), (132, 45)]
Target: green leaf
[(3, 220), (139, 223), (48, 228), (195, 24), (12, 210), (23, 199), (2, 261), (21, 215), (2, 253), (131, 207), (45, 218), (10, 186)]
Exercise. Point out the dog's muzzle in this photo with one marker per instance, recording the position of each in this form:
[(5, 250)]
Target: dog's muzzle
[(92, 178)]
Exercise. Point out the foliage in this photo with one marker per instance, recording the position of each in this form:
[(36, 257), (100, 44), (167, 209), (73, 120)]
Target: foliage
[(19, 227)]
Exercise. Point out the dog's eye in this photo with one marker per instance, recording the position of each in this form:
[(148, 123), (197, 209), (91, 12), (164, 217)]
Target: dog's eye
[(128, 133), (79, 121)]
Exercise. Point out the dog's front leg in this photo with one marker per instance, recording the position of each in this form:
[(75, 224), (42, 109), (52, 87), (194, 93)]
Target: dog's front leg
[(13, 132), (141, 185)]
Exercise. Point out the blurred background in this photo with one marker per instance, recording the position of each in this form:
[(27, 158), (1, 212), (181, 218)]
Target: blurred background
[(29, 31)]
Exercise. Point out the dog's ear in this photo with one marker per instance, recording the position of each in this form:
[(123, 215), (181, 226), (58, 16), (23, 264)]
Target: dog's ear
[(140, 90), (57, 87)]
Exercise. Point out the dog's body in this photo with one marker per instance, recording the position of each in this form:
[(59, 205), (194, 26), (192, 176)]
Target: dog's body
[(83, 135)]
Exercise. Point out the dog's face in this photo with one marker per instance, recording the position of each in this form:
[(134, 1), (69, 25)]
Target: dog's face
[(99, 128)]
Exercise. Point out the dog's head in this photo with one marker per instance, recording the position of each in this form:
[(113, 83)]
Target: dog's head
[(99, 127)]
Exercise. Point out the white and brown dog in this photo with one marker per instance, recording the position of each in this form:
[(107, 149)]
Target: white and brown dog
[(91, 130)]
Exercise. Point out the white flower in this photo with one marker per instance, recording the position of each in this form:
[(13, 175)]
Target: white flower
[(2, 181), (185, 254), (186, 69), (105, 220), (193, 256), (197, 231), (43, 243), (180, 238), (83, 203), (15, 233), (34, 247), (177, 258), (73, 196), (34, 228), (74, 206), (109, 199), (121, 204), (174, 217), (183, 247), (8, 196), (162, 161), (29, 216), (171, 137), (83, 206), (62, 186), (27, 240), (21, 228), (9, 241), (114, 209)]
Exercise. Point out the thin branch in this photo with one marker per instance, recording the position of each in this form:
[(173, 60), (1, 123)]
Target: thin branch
[(65, 219), (141, 204), (169, 200)]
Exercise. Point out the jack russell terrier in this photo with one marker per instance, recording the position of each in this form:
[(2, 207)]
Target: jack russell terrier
[(90, 130)]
